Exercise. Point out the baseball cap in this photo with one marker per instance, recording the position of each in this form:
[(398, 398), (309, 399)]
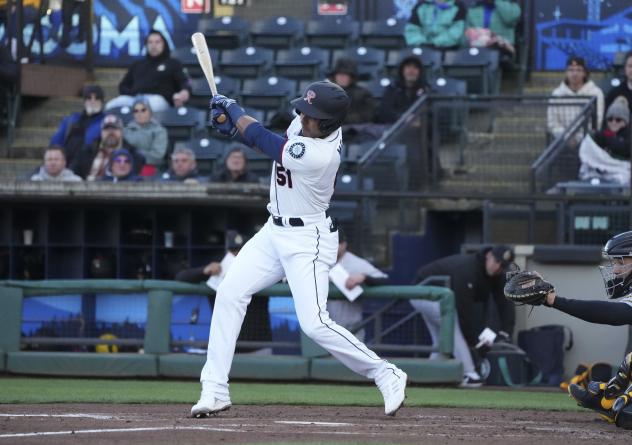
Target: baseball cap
[(111, 121), (504, 255)]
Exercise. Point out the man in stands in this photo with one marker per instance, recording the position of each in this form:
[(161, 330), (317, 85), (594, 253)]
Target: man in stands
[(158, 77), (625, 88), (92, 161), (183, 167), (81, 128), (409, 86), (54, 167)]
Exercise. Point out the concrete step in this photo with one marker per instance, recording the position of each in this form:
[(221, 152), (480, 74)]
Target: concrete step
[(30, 142), (17, 169)]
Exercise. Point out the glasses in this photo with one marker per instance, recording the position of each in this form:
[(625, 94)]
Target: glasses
[(140, 110), (121, 161), (615, 119)]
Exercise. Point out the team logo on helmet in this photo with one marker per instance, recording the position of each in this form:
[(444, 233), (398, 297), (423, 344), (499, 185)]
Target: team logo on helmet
[(309, 96), (296, 150)]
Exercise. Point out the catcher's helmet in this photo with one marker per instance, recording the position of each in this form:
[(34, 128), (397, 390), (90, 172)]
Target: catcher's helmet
[(325, 101), (618, 276)]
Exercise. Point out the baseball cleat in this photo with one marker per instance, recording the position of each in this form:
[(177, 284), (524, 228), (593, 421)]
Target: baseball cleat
[(393, 389), (208, 406), (592, 397)]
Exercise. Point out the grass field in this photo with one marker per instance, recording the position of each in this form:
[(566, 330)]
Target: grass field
[(67, 390)]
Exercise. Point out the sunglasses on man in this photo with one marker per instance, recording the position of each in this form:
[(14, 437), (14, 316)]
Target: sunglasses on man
[(122, 160), (140, 110), (615, 119)]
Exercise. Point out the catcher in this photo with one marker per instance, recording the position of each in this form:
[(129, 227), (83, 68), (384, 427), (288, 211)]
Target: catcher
[(612, 399)]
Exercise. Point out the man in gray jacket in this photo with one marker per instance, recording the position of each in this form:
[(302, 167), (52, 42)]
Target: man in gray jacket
[(148, 136), (54, 167)]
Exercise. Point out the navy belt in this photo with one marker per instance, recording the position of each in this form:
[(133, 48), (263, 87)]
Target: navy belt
[(294, 222)]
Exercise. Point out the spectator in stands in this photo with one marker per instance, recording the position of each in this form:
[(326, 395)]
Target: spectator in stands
[(474, 277), (256, 325), (492, 23), (92, 161), (54, 167), (349, 313), (121, 167), (235, 167), (576, 83), (614, 137), (183, 167), (625, 88), (81, 128), (438, 23), (148, 136), (345, 74), (409, 86), (158, 77)]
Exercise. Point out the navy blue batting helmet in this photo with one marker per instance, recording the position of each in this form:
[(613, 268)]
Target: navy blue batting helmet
[(325, 101)]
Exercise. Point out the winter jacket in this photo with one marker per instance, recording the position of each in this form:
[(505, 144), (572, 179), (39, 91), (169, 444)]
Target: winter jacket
[(622, 90), (616, 144), (225, 176), (442, 26), (471, 284), (151, 140), (66, 175), (504, 18), (560, 116), (362, 107), (169, 175), (82, 164), (398, 97), (155, 75), (76, 131)]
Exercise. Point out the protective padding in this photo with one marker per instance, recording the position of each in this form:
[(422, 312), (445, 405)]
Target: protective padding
[(245, 366), (418, 370), (3, 361), (82, 364)]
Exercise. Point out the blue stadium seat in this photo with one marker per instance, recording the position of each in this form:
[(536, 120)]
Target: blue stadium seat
[(180, 122), (245, 63), (376, 86), (477, 66), (446, 86), (208, 151), (306, 63), (189, 60), (608, 83), (384, 34), (369, 60), (201, 92), (277, 32), (225, 32), (125, 113), (267, 93), (431, 60), (332, 32)]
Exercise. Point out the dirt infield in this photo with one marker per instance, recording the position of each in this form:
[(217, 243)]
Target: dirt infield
[(97, 424)]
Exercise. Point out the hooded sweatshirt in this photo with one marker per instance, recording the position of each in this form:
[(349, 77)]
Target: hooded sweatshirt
[(66, 175), (398, 97), (155, 75), (560, 116), (150, 139), (437, 24)]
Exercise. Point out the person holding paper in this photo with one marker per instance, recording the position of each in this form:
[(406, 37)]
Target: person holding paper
[(347, 275), (257, 321)]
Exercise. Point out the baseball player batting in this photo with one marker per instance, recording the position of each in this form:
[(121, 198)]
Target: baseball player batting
[(299, 241)]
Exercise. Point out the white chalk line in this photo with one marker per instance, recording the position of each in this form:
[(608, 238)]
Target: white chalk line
[(299, 422), (74, 415), (118, 430)]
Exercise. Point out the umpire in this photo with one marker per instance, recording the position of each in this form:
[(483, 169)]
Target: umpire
[(474, 277)]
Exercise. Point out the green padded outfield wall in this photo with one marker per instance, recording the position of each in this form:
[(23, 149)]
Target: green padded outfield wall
[(10, 318)]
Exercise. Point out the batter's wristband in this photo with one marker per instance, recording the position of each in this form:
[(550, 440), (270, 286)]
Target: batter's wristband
[(235, 112)]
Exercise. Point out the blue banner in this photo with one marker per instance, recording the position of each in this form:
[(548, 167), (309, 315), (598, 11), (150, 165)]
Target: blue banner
[(593, 29)]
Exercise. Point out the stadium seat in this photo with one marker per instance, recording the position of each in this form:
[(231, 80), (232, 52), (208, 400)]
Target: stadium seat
[(306, 63), (244, 63), (189, 60), (208, 151), (376, 86), (201, 92), (608, 83), (258, 163), (125, 113), (445, 86), (277, 32), (478, 66), (369, 60), (225, 32), (430, 59), (384, 34), (267, 93), (180, 122), (334, 33)]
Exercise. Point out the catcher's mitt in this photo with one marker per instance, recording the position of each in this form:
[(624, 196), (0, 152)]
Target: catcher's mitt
[(527, 288)]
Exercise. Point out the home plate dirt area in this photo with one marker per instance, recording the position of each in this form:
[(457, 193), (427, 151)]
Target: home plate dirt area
[(96, 424)]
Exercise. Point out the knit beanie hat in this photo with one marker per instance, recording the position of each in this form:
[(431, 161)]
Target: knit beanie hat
[(619, 108)]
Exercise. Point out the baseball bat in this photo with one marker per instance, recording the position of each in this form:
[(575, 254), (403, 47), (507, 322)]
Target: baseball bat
[(204, 59)]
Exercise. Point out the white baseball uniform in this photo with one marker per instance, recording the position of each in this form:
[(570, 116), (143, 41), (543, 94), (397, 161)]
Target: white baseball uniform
[(298, 242)]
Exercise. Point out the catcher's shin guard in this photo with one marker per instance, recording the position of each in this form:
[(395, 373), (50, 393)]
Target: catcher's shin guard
[(592, 397), (622, 410), (621, 380)]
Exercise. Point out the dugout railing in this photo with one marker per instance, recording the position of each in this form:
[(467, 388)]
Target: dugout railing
[(155, 356)]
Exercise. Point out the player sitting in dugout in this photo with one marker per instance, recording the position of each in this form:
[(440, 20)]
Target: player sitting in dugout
[(612, 399)]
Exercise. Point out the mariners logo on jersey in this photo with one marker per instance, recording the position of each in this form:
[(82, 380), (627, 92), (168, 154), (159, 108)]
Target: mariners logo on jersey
[(296, 150)]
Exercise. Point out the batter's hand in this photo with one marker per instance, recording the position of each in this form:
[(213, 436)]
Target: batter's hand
[(228, 106), (227, 128)]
